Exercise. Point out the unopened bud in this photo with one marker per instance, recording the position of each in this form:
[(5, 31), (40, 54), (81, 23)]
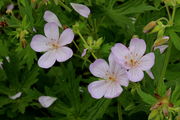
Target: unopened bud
[(153, 114), (10, 8), (33, 1), (161, 41), (165, 111), (135, 36), (149, 26), (170, 2), (23, 43)]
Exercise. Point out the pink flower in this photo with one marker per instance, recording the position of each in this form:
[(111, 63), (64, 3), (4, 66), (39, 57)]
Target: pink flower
[(112, 77), (53, 45), (133, 58), (81, 9), (51, 17)]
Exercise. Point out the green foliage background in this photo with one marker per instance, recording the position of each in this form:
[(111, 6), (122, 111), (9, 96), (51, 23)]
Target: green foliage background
[(112, 21)]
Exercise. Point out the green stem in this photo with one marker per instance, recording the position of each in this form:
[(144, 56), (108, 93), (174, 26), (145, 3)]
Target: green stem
[(82, 38), (173, 14), (169, 15), (119, 111), (82, 58), (86, 44), (76, 45), (65, 6), (161, 80)]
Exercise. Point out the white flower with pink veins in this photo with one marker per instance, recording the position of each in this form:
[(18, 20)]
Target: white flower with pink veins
[(112, 76), (133, 58), (53, 45)]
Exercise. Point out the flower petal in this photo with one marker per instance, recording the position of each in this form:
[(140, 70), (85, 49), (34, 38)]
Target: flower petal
[(147, 61), (84, 52), (123, 79), (17, 95), (46, 101), (113, 90), (119, 51), (115, 67), (47, 59), (135, 75), (66, 37), (51, 31), (99, 68), (162, 48), (97, 89), (150, 74), (118, 71), (137, 46), (81, 9), (39, 43), (63, 54), (51, 17)]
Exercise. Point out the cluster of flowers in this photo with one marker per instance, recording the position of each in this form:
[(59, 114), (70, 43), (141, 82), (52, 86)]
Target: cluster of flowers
[(125, 63), (53, 44)]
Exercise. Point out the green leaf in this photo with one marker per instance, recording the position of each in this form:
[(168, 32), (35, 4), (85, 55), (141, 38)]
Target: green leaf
[(147, 98), (175, 95), (175, 39), (4, 101)]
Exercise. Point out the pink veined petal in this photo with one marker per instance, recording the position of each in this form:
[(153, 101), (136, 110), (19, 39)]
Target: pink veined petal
[(119, 52), (81, 9), (39, 43), (112, 63), (135, 75), (113, 90), (162, 48), (46, 101), (147, 61), (114, 66), (150, 74), (51, 17), (51, 31), (123, 79), (47, 59), (99, 68), (63, 54), (66, 37), (137, 46), (97, 89)]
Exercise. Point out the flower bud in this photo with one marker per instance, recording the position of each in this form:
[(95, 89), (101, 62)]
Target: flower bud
[(170, 2), (178, 1), (153, 114), (23, 43), (161, 41), (149, 26), (10, 8)]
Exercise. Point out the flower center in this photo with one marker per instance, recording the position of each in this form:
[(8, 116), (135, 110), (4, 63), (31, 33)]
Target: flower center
[(112, 78), (132, 60), (54, 44)]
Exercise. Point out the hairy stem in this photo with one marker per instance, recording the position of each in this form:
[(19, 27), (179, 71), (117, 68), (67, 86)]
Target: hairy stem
[(119, 111)]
